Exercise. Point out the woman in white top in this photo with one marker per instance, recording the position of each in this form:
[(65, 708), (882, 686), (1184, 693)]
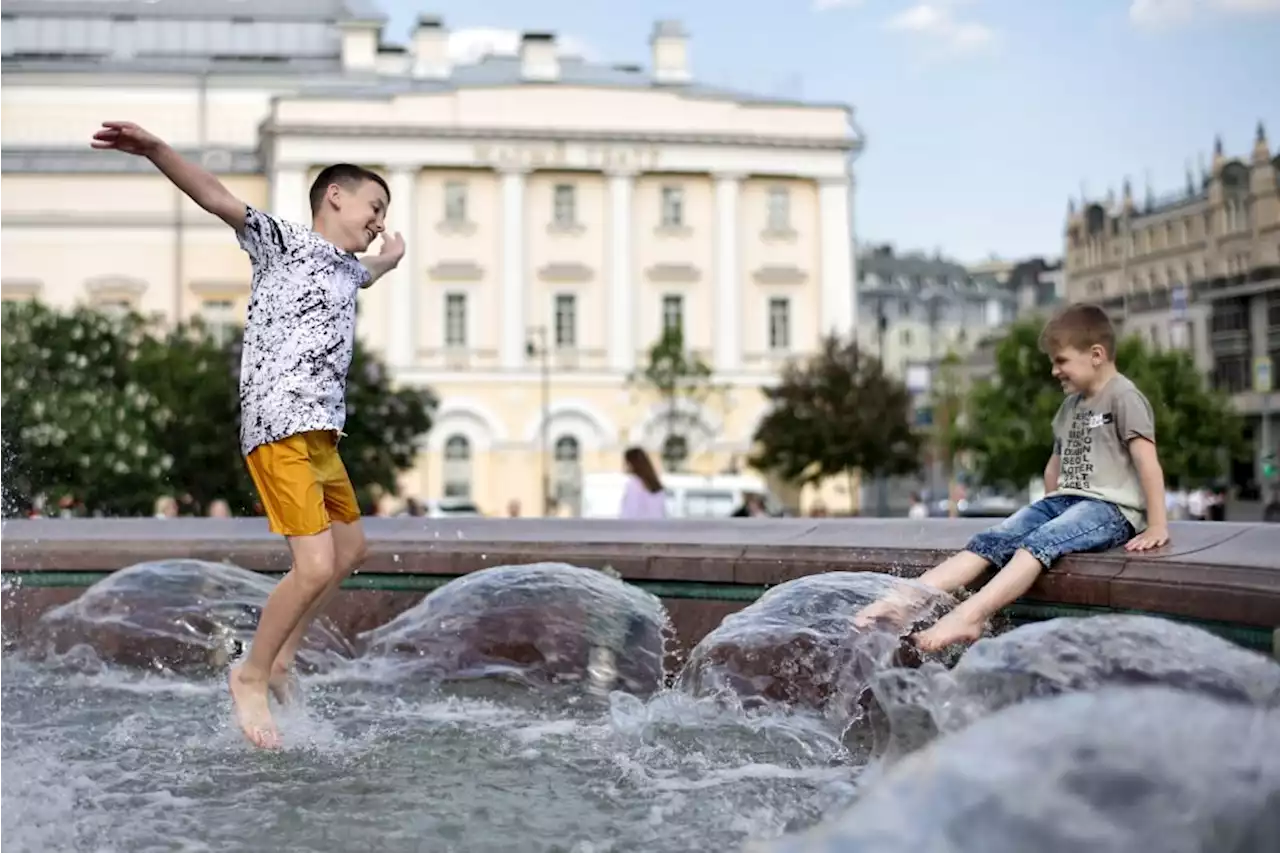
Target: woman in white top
[(643, 496)]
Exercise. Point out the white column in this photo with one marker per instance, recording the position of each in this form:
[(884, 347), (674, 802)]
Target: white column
[(513, 271), (838, 297), (289, 195), (727, 321), (622, 324), (402, 282)]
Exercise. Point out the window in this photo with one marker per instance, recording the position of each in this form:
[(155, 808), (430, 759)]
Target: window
[(675, 453), (567, 480), (455, 319), (566, 321), (673, 313), (455, 202), (1208, 223), (457, 467), (904, 337), (672, 207), (220, 318), (779, 209), (565, 213), (115, 308), (779, 323)]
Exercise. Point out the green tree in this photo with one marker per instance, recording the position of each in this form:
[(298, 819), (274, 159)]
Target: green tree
[(837, 413), (675, 374), (113, 414), (77, 423), (1010, 414)]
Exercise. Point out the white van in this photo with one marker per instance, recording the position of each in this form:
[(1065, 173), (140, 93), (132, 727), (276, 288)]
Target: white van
[(688, 495)]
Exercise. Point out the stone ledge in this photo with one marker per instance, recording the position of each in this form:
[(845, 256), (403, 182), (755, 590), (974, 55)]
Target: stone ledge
[(1212, 571)]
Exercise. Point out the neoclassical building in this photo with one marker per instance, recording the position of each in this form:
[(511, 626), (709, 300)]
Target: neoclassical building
[(554, 209)]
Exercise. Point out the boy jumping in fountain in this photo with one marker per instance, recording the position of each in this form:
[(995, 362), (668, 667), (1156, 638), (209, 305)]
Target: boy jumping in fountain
[(298, 341), (1103, 485)]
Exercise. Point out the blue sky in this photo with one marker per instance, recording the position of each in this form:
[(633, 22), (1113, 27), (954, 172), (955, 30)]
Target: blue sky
[(982, 116)]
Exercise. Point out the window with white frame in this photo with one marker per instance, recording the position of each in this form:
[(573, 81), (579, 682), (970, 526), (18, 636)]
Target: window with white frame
[(455, 319), (565, 211), (219, 316), (455, 202), (673, 313), (779, 209), (566, 321), (675, 453), (779, 323), (457, 467), (672, 206)]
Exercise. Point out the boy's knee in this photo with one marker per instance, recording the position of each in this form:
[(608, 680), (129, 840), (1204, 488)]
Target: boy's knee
[(352, 549), (316, 569)]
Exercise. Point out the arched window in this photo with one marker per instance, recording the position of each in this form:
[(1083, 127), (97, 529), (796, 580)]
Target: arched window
[(457, 467), (567, 477), (675, 453)]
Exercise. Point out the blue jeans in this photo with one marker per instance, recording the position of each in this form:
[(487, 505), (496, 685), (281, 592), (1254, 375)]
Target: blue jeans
[(1052, 527)]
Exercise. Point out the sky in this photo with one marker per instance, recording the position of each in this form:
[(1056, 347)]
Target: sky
[(982, 117)]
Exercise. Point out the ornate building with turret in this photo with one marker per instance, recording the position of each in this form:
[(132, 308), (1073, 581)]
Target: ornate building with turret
[(1198, 269)]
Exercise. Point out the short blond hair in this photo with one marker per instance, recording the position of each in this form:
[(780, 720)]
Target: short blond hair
[(1080, 326)]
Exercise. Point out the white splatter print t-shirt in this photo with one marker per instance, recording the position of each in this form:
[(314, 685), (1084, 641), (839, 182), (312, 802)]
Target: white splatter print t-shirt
[(299, 332)]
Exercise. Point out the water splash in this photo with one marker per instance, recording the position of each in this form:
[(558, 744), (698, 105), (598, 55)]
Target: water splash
[(1123, 769), (173, 616), (540, 624), (797, 646), (1071, 654)]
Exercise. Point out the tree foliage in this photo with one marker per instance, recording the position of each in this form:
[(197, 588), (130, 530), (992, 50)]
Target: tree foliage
[(674, 374), (1010, 414), (837, 413), (113, 414)]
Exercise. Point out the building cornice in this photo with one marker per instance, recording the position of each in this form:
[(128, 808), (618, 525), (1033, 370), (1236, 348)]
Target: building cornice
[(221, 161), (481, 134)]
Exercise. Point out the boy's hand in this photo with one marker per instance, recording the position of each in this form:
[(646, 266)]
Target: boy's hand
[(127, 137), (392, 248), (1152, 537)]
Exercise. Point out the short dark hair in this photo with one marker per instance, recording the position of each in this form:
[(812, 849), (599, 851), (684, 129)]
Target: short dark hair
[(1079, 326), (347, 175)]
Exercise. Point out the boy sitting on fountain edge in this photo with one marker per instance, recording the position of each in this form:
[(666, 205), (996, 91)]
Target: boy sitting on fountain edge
[(1103, 485), (298, 341)]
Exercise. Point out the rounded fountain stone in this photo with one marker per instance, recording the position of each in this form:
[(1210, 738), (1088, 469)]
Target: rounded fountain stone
[(1122, 769), (183, 616), (797, 644), (538, 625), (1071, 654)]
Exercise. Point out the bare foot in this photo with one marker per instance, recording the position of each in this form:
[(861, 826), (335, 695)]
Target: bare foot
[(955, 627), (882, 610), (284, 685), (252, 711)]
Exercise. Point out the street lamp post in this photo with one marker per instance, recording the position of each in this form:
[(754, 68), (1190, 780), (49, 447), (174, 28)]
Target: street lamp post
[(882, 482), (542, 350)]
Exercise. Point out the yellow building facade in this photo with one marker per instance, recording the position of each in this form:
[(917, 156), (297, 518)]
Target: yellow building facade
[(558, 215)]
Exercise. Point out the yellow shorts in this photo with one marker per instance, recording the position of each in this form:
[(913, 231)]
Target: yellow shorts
[(303, 484)]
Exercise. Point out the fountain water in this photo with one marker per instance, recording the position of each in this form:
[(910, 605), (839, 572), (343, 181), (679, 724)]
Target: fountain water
[(1120, 769), (187, 616)]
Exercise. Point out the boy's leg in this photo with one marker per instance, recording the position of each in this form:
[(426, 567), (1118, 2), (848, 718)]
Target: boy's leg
[(995, 546), (294, 501), (1087, 525), (349, 545)]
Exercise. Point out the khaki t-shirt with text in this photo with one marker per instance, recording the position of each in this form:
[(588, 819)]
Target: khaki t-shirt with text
[(1091, 438)]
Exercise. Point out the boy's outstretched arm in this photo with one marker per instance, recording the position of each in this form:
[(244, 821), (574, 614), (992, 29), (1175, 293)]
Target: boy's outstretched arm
[(202, 187), (385, 261), (1151, 475)]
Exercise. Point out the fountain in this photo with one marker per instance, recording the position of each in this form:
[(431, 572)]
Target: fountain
[(1070, 654), (1120, 769), (543, 624), (182, 616)]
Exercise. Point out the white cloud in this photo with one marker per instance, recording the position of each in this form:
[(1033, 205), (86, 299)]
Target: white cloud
[(825, 5), (1163, 14), (937, 24), (470, 45)]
